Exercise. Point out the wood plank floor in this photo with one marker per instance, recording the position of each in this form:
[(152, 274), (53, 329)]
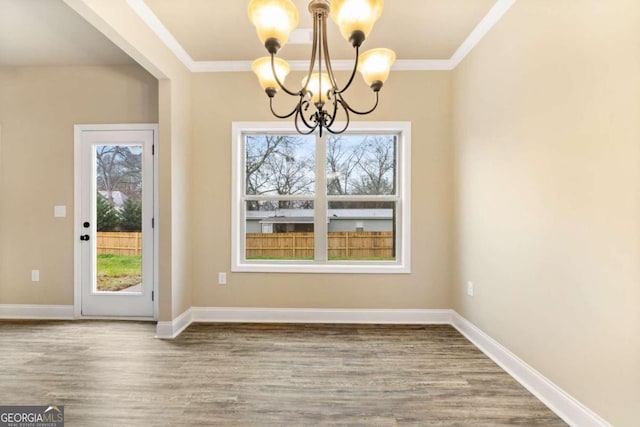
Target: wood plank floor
[(118, 374)]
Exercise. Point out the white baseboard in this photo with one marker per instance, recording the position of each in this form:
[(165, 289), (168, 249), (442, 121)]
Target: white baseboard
[(36, 311), (318, 315), (565, 406), (171, 329)]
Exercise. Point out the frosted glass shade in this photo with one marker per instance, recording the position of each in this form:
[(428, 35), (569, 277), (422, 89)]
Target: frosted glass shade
[(352, 15), (262, 68), (318, 83), (375, 64), (273, 19)]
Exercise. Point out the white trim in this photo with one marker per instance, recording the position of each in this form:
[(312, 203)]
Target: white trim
[(484, 26), (559, 401), (77, 219), (319, 315), (337, 65), (488, 21), (150, 18), (36, 311), (77, 211), (171, 329)]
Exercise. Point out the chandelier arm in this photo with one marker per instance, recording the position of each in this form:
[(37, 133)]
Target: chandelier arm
[(327, 59), (362, 113), (314, 51), (285, 116), (346, 110), (282, 86), (300, 115), (353, 73), (321, 18), (336, 100)]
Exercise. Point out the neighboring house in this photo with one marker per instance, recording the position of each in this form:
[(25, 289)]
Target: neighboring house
[(118, 198), (301, 220)]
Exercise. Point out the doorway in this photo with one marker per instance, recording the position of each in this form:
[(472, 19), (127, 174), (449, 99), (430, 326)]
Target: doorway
[(115, 220)]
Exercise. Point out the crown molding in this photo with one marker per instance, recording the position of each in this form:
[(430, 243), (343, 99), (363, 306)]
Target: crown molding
[(484, 26), (338, 65), (150, 18), (494, 15)]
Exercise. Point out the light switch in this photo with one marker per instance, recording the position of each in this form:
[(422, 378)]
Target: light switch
[(59, 211)]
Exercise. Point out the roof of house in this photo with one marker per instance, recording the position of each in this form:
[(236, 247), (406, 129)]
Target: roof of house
[(117, 197), (301, 215)]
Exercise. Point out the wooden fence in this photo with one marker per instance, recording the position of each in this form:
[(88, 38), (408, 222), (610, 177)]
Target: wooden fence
[(128, 244), (342, 245)]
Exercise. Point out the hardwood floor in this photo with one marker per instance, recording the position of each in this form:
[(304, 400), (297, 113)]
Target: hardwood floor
[(118, 374)]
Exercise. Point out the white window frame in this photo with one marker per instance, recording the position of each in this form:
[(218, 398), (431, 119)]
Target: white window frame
[(402, 263)]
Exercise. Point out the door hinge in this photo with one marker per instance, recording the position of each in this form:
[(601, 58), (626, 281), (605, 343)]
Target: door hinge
[(153, 223), (153, 295), (153, 150)]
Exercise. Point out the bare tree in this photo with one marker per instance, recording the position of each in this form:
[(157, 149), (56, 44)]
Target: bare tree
[(377, 167), (118, 169), (277, 165), (342, 161)]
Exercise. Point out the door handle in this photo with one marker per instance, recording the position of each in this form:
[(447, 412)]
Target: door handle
[(84, 237)]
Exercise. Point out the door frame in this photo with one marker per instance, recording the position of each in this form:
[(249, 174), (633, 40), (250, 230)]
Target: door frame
[(77, 215)]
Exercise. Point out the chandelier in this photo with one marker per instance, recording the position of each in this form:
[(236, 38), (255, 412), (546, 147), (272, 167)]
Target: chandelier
[(321, 99)]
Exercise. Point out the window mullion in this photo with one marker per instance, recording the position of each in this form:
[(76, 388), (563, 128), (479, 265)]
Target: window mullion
[(320, 202)]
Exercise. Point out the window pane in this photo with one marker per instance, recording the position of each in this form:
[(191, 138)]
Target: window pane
[(279, 230), (363, 231), (279, 164), (361, 164), (118, 206)]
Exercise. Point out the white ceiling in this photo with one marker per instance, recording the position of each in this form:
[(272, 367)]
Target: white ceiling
[(220, 30), (216, 35), (48, 32)]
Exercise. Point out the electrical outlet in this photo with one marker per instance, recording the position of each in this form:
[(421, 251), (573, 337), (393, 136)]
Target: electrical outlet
[(35, 275), (222, 278), (470, 289)]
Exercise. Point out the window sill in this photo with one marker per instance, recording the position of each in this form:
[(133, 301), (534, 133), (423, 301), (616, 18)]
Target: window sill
[(328, 268)]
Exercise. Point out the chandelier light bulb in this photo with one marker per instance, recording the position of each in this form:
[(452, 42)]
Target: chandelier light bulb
[(375, 64), (356, 15), (318, 83), (262, 68), (273, 19)]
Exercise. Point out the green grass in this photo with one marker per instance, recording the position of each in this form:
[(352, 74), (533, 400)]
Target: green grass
[(117, 272)]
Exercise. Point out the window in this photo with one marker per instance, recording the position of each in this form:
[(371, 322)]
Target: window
[(336, 204)]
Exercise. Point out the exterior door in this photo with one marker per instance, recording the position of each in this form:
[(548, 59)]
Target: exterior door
[(115, 220)]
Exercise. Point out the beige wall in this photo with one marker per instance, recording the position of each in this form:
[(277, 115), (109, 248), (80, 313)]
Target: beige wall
[(547, 166), (420, 97), (38, 108), (181, 198)]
